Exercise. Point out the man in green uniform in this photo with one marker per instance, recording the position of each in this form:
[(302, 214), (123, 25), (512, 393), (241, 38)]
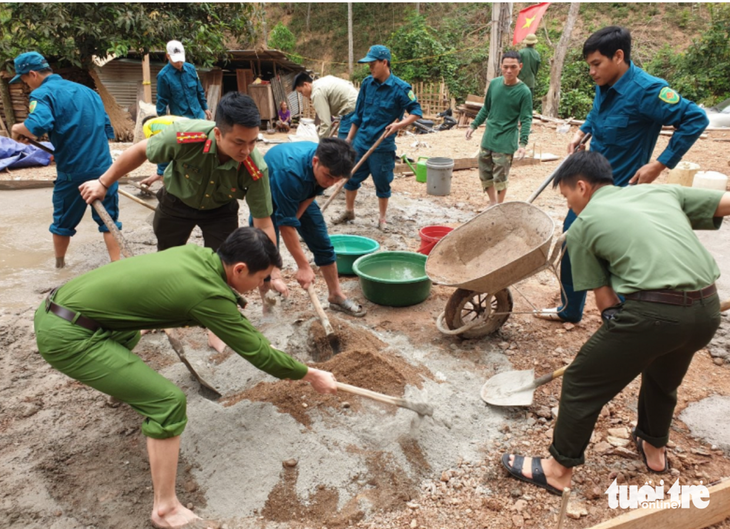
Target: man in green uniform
[(212, 166), (638, 242), (88, 327), (530, 60), (508, 104)]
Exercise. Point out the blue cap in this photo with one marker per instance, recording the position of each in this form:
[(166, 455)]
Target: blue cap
[(376, 53), (27, 62)]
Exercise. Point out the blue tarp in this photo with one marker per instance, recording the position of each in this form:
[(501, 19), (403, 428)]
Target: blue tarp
[(15, 155)]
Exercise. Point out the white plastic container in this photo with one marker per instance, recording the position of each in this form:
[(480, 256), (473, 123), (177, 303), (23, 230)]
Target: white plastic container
[(710, 180), (683, 174)]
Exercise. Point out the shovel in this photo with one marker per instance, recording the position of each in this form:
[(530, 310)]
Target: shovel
[(515, 388), (421, 408), (328, 329)]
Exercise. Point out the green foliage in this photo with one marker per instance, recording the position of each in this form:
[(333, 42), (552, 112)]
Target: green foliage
[(280, 38), (418, 55), (74, 33), (576, 88), (702, 72)]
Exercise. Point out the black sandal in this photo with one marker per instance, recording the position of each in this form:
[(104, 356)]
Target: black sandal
[(538, 475), (640, 448)]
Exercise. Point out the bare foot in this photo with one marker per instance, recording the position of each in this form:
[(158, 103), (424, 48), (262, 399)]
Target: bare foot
[(60, 262), (215, 342), (175, 518), (556, 474)]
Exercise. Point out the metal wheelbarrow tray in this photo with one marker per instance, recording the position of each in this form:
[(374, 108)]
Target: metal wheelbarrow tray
[(498, 248)]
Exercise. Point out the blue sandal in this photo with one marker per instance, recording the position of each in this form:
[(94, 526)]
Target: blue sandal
[(538, 475)]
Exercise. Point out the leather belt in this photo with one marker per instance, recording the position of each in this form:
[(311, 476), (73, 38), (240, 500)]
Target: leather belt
[(672, 297), (69, 315)]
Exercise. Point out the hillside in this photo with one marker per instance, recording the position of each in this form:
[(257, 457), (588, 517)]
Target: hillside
[(320, 30)]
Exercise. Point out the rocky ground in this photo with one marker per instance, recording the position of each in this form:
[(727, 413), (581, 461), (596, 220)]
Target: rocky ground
[(275, 454)]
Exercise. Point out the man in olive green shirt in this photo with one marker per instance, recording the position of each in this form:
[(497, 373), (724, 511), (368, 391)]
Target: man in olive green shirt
[(212, 166), (508, 103), (530, 60), (88, 327), (330, 96), (636, 241)]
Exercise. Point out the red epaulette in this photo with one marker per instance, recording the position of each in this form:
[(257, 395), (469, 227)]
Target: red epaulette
[(252, 169), (191, 137)]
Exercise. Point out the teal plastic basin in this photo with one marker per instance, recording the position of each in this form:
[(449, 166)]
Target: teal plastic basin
[(395, 279), (349, 247)]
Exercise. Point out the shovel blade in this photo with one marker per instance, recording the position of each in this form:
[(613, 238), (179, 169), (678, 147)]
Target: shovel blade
[(511, 388)]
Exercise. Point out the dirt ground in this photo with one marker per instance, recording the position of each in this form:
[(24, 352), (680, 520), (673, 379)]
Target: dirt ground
[(274, 454)]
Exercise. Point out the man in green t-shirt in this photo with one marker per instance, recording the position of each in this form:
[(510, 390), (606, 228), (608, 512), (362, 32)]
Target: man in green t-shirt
[(638, 242), (530, 60), (88, 327), (508, 104)]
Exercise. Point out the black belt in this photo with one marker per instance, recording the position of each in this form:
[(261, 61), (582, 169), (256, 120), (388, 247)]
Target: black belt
[(672, 297), (69, 315)]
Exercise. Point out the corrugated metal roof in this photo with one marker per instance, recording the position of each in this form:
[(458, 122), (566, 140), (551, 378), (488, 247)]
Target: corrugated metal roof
[(123, 79)]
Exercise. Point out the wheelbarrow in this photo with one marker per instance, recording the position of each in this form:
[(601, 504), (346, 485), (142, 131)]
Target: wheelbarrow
[(495, 250)]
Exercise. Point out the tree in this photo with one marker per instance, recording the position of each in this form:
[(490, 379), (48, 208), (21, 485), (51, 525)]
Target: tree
[(350, 52), (552, 99), (74, 33)]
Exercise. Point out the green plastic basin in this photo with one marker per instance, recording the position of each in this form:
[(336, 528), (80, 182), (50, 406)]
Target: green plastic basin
[(349, 247), (396, 279)]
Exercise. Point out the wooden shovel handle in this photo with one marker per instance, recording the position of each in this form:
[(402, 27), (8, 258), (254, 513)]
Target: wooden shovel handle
[(354, 170), (135, 199), (369, 394), (320, 312), (101, 210)]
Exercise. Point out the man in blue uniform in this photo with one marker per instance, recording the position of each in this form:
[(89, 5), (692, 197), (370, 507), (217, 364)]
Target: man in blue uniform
[(74, 118), (382, 99), (629, 110), (298, 172), (180, 90)]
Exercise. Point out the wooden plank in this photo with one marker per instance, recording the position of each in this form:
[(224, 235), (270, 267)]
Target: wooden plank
[(146, 79), (716, 511), (244, 77)]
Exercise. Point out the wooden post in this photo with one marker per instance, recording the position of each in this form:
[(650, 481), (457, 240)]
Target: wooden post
[(146, 79)]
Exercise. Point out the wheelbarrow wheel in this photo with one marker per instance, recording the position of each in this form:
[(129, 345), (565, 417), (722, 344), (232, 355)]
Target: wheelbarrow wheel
[(464, 306)]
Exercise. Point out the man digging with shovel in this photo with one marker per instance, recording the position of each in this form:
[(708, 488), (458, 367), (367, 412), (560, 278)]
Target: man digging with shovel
[(299, 172), (637, 242), (88, 327)]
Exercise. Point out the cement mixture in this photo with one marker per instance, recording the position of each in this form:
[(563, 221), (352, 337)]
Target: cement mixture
[(274, 454)]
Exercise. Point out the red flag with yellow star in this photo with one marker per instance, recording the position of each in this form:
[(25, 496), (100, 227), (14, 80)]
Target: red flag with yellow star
[(527, 21)]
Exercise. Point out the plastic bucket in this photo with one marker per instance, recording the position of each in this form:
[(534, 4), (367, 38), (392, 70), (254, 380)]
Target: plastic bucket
[(438, 176), (430, 235), (395, 279), (349, 248)]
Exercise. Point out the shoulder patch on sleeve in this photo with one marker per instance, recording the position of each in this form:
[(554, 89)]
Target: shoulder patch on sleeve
[(32, 106), (669, 96), (252, 169), (191, 137), (411, 95)]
